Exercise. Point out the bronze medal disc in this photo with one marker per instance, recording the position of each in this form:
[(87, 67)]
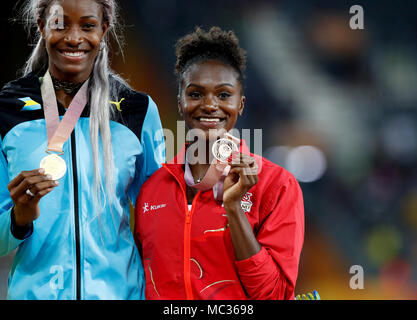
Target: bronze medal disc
[(222, 149)]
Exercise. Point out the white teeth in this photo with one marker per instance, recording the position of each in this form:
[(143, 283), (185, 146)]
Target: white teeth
[(74, 54), (210, 119)]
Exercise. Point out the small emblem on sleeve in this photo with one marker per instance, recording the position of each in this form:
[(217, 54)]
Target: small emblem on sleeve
[(246, 203), (30, 105), (117, 104)]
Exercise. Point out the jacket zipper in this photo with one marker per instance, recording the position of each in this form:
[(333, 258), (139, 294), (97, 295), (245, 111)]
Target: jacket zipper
[(76, 217), (187, 242), (187, 246)]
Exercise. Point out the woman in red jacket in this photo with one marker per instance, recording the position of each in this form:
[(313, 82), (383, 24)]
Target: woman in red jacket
[(241, 239)]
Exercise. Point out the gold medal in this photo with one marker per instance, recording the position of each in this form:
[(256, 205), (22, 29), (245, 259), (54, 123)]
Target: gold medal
[(54, 165)]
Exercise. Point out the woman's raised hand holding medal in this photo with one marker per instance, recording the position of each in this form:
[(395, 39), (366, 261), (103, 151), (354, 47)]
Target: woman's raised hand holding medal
[(242, 176), (29, 187), (26, 190)]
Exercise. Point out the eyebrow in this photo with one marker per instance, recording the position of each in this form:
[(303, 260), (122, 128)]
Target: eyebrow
[(85, 17), (218, 86), (225, 84), (195, 85)]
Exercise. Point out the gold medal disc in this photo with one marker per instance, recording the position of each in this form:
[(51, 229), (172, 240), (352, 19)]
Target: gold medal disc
[(54, 165)]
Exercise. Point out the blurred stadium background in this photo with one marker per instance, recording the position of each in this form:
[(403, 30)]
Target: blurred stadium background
[(338, 108)]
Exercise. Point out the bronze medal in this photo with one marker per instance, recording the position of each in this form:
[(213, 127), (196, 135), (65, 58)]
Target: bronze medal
[(222, 149)]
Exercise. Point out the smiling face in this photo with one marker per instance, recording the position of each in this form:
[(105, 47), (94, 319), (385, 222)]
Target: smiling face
[(210, 96), (72, 48)]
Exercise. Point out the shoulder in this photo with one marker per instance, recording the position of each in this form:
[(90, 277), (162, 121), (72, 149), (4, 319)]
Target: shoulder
[(276, 184), (20, 101), (131, 107), (27, 86), (273, 173), (161, 178), (26, 83), (126, 99)]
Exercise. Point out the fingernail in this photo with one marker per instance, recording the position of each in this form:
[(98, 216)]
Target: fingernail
[(56, 183), (49, 177), (41, 171)]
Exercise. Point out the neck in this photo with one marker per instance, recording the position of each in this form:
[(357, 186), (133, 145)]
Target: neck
[(199, 158), (65, 91), (64, 98), (69, 88), (199, 170)]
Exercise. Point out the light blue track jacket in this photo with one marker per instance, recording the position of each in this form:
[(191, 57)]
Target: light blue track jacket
[(76, 251)]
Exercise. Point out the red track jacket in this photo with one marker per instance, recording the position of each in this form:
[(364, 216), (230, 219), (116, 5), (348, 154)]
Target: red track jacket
[(188, 254)]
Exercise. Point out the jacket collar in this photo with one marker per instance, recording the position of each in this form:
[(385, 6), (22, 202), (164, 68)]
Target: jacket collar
[(27, 85)]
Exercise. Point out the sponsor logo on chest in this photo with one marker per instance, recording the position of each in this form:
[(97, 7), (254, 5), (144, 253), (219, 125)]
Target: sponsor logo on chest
[(149, 208)]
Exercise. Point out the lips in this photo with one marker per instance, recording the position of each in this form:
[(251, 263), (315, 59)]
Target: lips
[(214, 120), (210, 122), (210, 119), (73, 54)]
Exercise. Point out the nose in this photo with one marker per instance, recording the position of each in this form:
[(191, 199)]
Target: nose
[(210, 108), (210, 105), (73, 37)]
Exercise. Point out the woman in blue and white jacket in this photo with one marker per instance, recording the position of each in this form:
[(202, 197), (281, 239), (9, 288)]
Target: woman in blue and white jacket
[(72, 236)]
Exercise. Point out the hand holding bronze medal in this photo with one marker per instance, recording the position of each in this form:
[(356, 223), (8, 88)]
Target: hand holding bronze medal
[(59, 132)]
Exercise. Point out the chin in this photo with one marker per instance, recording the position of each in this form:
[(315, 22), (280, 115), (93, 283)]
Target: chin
[(73, 69), (72, 72)]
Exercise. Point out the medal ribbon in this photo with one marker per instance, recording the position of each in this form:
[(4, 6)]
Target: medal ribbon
[(59, 132)]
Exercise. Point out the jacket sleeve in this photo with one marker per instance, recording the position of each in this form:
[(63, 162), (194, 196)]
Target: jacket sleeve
[(153, 144), (7, 241), (272, 272)]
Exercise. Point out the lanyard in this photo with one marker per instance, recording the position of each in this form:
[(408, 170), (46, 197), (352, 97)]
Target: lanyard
[(59, 132)]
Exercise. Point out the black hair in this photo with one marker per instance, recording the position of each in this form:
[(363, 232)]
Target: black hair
[(215, 44)]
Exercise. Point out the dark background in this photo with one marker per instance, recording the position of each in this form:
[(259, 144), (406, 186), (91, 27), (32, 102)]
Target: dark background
[(338, 108)]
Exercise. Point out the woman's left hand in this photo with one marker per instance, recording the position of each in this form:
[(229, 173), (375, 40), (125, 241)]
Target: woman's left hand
[(243, 175)]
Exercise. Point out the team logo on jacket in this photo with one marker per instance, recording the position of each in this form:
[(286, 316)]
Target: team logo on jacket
[(246, 203), (146, 207)]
